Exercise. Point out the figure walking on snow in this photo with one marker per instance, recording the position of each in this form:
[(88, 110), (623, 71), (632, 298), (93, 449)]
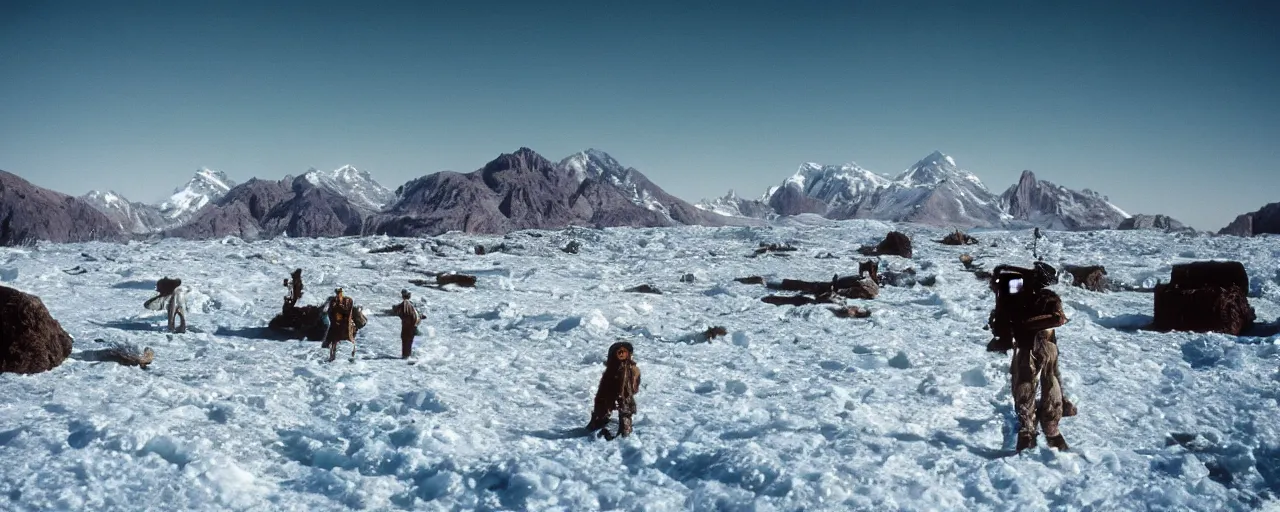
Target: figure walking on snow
[(344, 321), (409, 320), (1024, 319), (174, 299), (617, 390)]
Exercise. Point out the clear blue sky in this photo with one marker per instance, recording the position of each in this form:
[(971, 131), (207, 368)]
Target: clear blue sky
[(1166, 107)]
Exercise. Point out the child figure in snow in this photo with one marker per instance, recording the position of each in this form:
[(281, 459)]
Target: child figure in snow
[(409, 320), (344, 320), (1024, 319), (618, 386)]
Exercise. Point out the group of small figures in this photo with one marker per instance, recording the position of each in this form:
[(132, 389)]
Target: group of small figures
[(1024, 320)]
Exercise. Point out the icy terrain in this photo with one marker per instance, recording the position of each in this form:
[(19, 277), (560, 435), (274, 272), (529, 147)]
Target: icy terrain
[(794, 410)]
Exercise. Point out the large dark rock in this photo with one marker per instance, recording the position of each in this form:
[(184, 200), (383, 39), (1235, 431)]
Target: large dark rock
[(31, 341), (1153, 222), (894, 244), (958, 237), (29, 213), (1092, 277), (1204, 296), (303, 322), (1265, 221)]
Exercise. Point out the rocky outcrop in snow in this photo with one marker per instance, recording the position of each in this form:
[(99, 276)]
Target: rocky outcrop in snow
[(129, 216), (1155, 222), (29, 213), (1047, 205), (1262, 222)]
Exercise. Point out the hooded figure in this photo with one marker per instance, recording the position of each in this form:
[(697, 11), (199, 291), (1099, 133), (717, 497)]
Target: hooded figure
[(172, 298), (342, 327), (618, 386), (1026, 314), (409, 320)]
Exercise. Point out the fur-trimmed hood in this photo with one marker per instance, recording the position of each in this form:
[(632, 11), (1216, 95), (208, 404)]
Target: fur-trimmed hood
[(613, 352)]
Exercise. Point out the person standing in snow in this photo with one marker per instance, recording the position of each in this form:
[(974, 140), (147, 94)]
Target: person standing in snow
[(172, 299), (618, 386), (1024, 320), (177, 309), (342, 324), (409, 320)]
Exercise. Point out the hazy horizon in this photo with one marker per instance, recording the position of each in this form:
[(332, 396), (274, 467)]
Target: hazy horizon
[(1166, 109)]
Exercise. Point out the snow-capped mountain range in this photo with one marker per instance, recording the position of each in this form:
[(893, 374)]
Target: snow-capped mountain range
[(523, 190), (207, 186), (933, 191), (354, 184)]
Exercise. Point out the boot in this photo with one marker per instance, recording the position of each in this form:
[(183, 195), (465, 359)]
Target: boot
[(624, 426), (1057, 442), (598, 421), (1026, 440), (1068, 408)]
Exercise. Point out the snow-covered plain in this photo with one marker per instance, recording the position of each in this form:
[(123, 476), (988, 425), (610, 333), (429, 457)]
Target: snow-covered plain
[(794, 410)]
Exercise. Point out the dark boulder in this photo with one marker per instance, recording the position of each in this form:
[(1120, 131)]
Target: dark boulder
[(1092, 277), (31, 341), (463, 280), (1204, 296), (958, 237), (644, 288), (894, 244), (303, 322)]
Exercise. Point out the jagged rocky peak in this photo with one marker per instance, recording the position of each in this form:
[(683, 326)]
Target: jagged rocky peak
[(836, 184), (934, 169), (523, 159), (594, 164), (1153, 222), (356, 185), (731, 205), (1045, 204), (206, 186)]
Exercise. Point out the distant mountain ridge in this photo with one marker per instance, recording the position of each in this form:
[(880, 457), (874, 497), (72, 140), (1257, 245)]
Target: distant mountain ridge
[(933, 191), (524, 190)]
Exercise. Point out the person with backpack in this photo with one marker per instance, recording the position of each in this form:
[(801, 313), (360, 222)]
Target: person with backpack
[(172, 298), (618, 387), (409, 319), (1026, 315), (341, 313)]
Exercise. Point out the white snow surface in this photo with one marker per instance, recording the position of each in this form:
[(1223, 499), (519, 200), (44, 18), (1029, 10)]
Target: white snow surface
[(794, 410)]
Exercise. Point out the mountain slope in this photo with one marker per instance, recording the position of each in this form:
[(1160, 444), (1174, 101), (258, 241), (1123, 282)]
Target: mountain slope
[(129, 216), (29, 213), (1264, 221), (523, 190), (1047, 205), (730, 205), (597, 165), (261, 209), (204, 188), (934, 191), (356, 185)]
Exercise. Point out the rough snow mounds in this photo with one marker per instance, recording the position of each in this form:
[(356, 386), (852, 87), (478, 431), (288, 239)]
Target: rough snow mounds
[(794, 409)]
